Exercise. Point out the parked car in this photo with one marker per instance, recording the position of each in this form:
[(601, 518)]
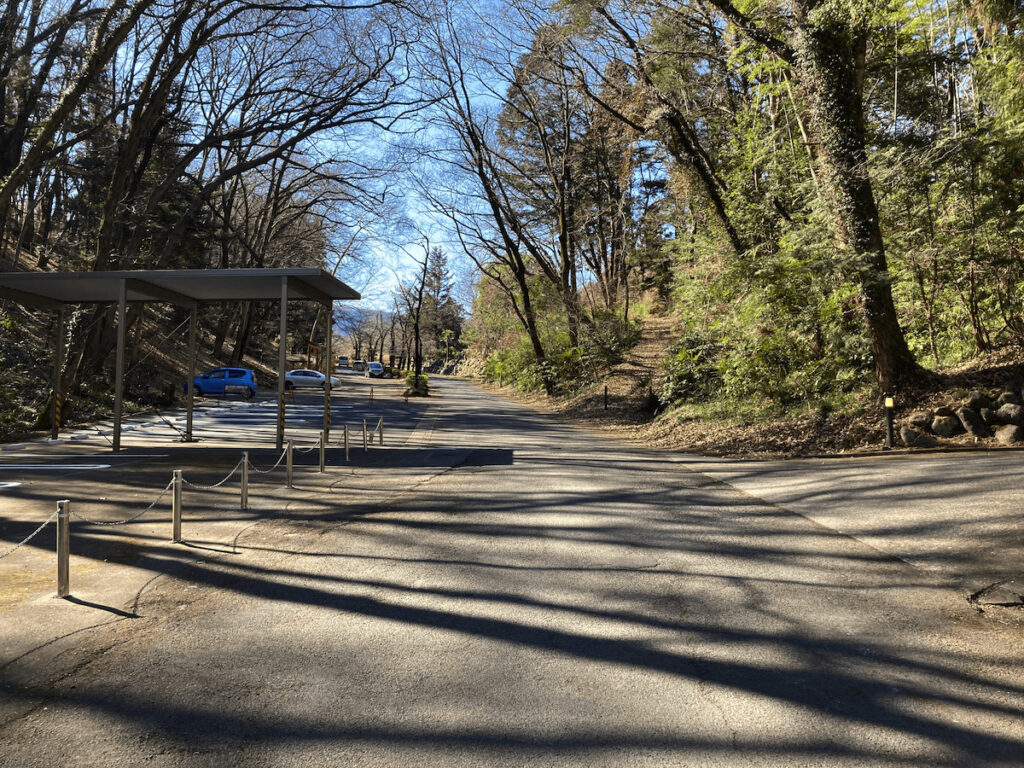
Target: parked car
[(221, 381), (343, 361), (374, 370), (305, 378), (358, 365)]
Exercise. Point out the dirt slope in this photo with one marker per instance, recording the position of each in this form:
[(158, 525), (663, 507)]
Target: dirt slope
[(632, 410)]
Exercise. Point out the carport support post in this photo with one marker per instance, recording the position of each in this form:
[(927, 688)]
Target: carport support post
[(58, 363), (63, 547), (122, 322), (328, 370), (323, 450), (281, 350), (190, 383)]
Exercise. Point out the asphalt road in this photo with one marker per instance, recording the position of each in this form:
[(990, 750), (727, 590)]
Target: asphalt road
[(531, 595)]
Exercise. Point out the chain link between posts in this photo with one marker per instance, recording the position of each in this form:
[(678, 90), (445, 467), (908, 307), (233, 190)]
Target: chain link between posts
[(136, 516), (185, 481), (31, 536), (280, 458), (190, 484)]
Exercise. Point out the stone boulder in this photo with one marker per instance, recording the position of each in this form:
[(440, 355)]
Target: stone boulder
[(945, 411), (977, 400), (1009, 413), (1011, 398), (914, 439), (946, 426), (972, 422), (989, 417), (1010, 434), (920, 420)]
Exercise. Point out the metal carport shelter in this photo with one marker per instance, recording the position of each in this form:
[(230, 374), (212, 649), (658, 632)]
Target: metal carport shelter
[(183, 287)]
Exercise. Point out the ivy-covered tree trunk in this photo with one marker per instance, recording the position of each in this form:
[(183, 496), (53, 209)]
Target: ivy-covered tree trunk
[(827, 51)]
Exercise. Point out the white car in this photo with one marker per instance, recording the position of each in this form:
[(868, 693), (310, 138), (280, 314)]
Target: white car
[(305, 378)]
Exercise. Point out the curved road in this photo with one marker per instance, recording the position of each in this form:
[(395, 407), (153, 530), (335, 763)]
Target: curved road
[(553, 598)]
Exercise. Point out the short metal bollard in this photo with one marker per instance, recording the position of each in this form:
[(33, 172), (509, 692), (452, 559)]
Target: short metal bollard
[(245, 480), (323, 450), (371, 393), (364, 435), (289, 464), (176, 484), (380, 432), (63, 548), (346, 442)]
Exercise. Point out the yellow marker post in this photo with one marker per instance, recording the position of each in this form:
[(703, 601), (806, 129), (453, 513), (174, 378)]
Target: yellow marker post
[(890, 437)]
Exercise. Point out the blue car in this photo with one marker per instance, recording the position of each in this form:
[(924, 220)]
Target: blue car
[(221, 381)]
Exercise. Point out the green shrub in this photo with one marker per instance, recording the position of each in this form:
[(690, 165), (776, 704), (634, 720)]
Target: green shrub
[(691, 371), (416, 386), (515, 366)]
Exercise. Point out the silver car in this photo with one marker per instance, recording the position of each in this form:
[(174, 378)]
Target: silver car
[(305, 378)]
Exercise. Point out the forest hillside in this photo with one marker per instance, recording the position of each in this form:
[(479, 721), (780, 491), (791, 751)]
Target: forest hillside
[(760, 210)]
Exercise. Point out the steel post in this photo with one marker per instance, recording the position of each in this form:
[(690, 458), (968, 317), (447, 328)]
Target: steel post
[(289, 463), (122, 327), (190, 383), (63, 548), (282, 349), (245, 480), (58, 364), (328, 371), (176, 507)]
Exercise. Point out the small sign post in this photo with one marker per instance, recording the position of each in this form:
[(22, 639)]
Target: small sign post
[(889, 428)]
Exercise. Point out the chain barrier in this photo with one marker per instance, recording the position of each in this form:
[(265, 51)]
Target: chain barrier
[(280, 458), (99, 431), (31, 536), (310, 449), (155, 347), (127, 519), (170, 424), (190, 484)]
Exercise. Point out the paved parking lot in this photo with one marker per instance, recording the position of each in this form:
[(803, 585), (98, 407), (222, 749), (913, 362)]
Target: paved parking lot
[(111, 560)]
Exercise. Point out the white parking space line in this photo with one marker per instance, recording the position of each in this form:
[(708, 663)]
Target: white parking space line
[(106, 456), (63, 467)]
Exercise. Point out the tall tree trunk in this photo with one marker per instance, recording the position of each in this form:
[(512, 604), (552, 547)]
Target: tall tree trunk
[(244, 331), (827, 55)]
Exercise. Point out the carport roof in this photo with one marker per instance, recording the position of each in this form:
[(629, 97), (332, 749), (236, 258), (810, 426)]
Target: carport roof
[(176, 286)]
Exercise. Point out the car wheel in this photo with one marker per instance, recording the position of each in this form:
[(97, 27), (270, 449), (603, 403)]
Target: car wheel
[(249, 394), (197, 390), (288, 386)]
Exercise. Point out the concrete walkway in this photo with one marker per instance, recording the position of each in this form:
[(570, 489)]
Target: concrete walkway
[(957, 515)]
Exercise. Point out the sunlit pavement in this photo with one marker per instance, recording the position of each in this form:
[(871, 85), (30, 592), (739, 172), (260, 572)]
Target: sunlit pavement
[(549, 597)]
